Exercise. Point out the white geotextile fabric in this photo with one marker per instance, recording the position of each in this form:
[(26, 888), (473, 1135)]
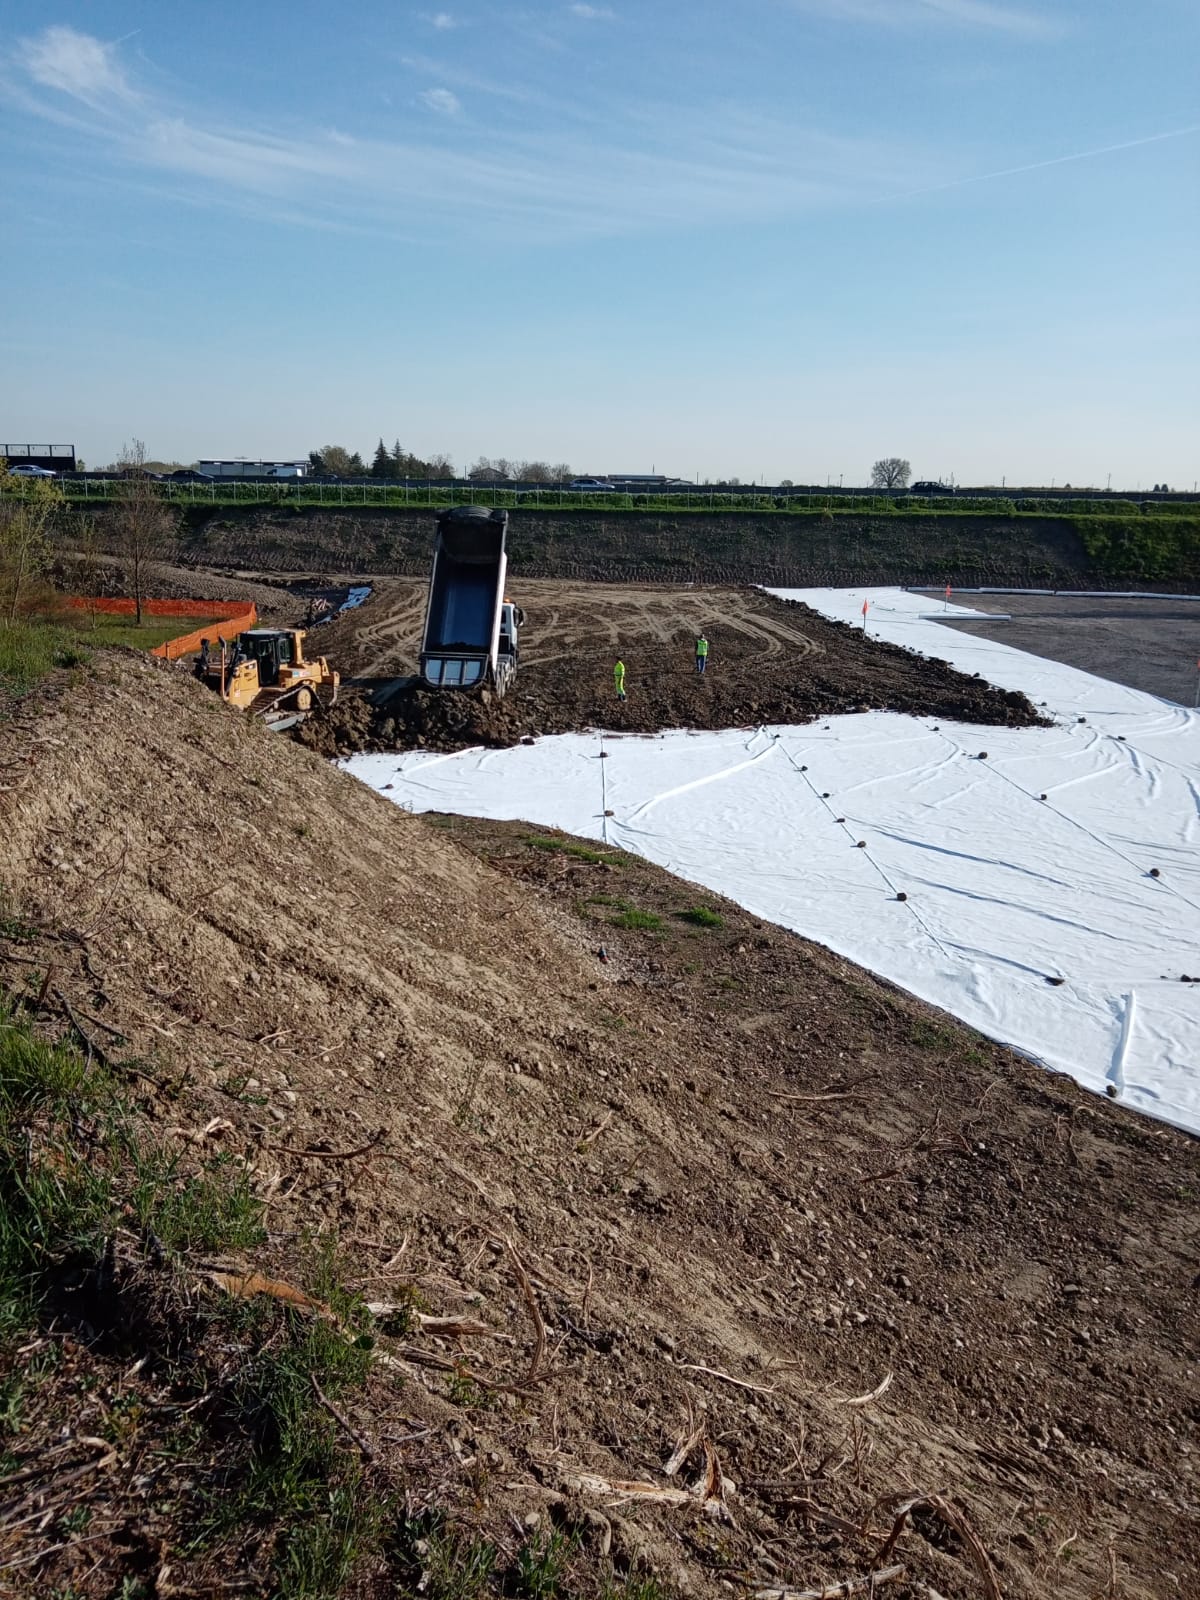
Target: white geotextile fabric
[(1004, 891)]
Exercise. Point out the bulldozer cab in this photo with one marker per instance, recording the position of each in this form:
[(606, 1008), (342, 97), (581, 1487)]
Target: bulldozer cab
[(270, 650)]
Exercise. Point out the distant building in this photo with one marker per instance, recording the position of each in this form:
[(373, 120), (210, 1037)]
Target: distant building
[(255, 469), (641, 480), (54, 457)]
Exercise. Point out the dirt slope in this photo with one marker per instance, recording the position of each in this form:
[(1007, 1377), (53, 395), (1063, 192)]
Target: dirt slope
[(663, 547), (770, 661), (749, 1181)]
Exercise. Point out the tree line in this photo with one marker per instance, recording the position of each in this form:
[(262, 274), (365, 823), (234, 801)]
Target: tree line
[(336, 461)]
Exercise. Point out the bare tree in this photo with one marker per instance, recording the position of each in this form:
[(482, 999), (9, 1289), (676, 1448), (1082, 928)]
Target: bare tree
[(143, 527), (486, 470), (83, 537), (891, 472), (27, 511), (439, 466)]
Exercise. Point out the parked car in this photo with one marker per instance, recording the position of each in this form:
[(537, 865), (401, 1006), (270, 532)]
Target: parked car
[(588, 483), (931, 488), (188, 475), (26, 470)]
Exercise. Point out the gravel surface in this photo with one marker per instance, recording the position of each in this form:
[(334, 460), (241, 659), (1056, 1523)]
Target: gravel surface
[(1152, 645)]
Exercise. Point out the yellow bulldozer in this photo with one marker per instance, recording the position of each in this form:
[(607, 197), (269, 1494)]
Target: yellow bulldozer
[(264, 671)]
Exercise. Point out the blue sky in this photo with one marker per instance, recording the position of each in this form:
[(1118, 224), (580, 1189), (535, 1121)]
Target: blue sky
[(781, 238)]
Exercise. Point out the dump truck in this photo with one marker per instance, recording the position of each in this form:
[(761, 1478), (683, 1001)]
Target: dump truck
[(266, 673), (471, 628)]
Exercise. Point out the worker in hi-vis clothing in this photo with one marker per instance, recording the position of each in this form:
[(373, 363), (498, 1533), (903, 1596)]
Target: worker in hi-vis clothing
[(701, 653), (619, 679)]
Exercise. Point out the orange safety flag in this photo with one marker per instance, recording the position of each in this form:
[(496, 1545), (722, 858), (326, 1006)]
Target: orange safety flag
[(947, 591), (866, 603)]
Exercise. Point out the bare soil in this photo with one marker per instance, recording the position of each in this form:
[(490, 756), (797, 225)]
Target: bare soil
[(607, 546), (752, 1187), (770, 662)]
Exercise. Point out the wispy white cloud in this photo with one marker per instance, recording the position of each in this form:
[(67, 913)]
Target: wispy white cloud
[(444, 21), (592, 13), (443, 100), (1056, 161), (1035, 23), (647, 166), (77, 64)]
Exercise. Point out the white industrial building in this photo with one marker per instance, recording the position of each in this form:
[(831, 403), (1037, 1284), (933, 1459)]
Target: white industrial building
[(255, 469)]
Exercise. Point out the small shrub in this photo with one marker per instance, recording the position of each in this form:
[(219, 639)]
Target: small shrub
[(542, 1565), (463, 1390), (702, 917), (633, 918)]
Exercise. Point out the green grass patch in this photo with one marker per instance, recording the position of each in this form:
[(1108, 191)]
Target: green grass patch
[(75, 1164), (295, 1481), (13, 926), (262, 1474), (702, 917), (31, 650), (541, 1566), (448, 1563), (569, 847), (647, 921), (931, 1035), (301, 495), (152, 631), (78, 1168)]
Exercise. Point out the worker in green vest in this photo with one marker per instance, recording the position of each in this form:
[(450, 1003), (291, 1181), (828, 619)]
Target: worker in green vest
[(701, 653), (619, 679)]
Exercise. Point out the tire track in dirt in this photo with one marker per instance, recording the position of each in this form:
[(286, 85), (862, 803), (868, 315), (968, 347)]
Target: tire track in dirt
[(769, 662), (565, 621)]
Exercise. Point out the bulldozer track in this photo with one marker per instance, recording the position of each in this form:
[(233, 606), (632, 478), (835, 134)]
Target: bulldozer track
[(566, 621)]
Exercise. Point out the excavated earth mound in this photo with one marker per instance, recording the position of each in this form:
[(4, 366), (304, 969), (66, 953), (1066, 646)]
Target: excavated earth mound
[(777, 1277), (770, 662)]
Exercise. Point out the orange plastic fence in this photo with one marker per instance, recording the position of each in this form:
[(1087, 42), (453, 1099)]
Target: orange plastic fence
[(224, 628), (228, 618)]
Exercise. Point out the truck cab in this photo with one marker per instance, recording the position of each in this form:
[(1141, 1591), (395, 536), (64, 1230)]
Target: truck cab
[(511, 618)]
